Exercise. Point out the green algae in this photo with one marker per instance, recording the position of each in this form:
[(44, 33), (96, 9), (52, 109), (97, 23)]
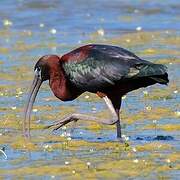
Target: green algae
[(149, 114), (89, 97), (108, 160), (23, 144), (168, 52), (172, 39), (50, 170), (166, 127), (127, 168), (167, 61), (80, 145), (174, 157), (158, 94), (4, 50), (154, 147), (22, 46)]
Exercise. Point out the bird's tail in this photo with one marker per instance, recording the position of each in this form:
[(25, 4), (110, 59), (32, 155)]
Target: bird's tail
[(157, 72)]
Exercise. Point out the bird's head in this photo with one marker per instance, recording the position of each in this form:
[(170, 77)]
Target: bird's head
[(41, 73)]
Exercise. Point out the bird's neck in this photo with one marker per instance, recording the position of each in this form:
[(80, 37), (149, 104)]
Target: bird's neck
[(58, 83)]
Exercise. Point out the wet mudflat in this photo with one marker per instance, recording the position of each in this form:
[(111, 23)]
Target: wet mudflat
[(150, 116)]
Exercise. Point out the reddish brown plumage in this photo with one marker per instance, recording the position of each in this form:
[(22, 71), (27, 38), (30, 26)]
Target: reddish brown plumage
[(58, 81), (78, 54)]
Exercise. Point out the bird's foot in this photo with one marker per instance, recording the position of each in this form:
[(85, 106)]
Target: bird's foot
[(121, 140), (61, 123)]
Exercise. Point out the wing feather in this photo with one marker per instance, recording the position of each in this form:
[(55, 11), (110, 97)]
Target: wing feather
[(104, 66)]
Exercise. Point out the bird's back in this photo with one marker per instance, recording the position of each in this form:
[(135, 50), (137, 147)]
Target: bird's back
[(94, 67)]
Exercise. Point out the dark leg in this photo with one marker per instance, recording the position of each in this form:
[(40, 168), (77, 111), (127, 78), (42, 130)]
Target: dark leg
[(116, 100), (118, 125), (75, 117)]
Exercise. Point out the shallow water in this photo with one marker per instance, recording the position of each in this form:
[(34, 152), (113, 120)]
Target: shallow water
[(150, 116)]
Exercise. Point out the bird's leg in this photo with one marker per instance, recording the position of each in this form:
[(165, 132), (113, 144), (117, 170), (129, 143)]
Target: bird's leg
[(116, 100), (75, 117), (118, 125)]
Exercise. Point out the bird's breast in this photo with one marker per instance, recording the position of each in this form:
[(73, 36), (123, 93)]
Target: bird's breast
[(63, 91)]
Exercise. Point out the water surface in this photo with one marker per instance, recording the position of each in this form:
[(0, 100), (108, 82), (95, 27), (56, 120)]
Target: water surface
[(150, 116)]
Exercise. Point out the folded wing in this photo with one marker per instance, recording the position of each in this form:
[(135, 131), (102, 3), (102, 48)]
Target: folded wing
[(105, 66)]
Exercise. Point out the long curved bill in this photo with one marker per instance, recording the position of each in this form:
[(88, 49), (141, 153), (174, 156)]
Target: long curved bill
[(30, 100)]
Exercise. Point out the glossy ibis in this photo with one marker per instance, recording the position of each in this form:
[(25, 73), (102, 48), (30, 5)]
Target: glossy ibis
[(108, 71)]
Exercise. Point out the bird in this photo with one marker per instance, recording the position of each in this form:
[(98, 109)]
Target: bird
[(108, 71)]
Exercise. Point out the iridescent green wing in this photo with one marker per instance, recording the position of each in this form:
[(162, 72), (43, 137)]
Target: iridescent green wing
[(104, 66)]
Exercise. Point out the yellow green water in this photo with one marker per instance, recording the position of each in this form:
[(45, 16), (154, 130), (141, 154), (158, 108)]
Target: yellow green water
[(150, 116), (90, 153)]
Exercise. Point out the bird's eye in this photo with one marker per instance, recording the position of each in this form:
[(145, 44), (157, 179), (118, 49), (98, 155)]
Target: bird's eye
[(38, 69), (38, 72)]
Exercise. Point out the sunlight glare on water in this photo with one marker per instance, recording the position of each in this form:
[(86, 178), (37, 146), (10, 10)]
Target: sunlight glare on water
[(150, 117)]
